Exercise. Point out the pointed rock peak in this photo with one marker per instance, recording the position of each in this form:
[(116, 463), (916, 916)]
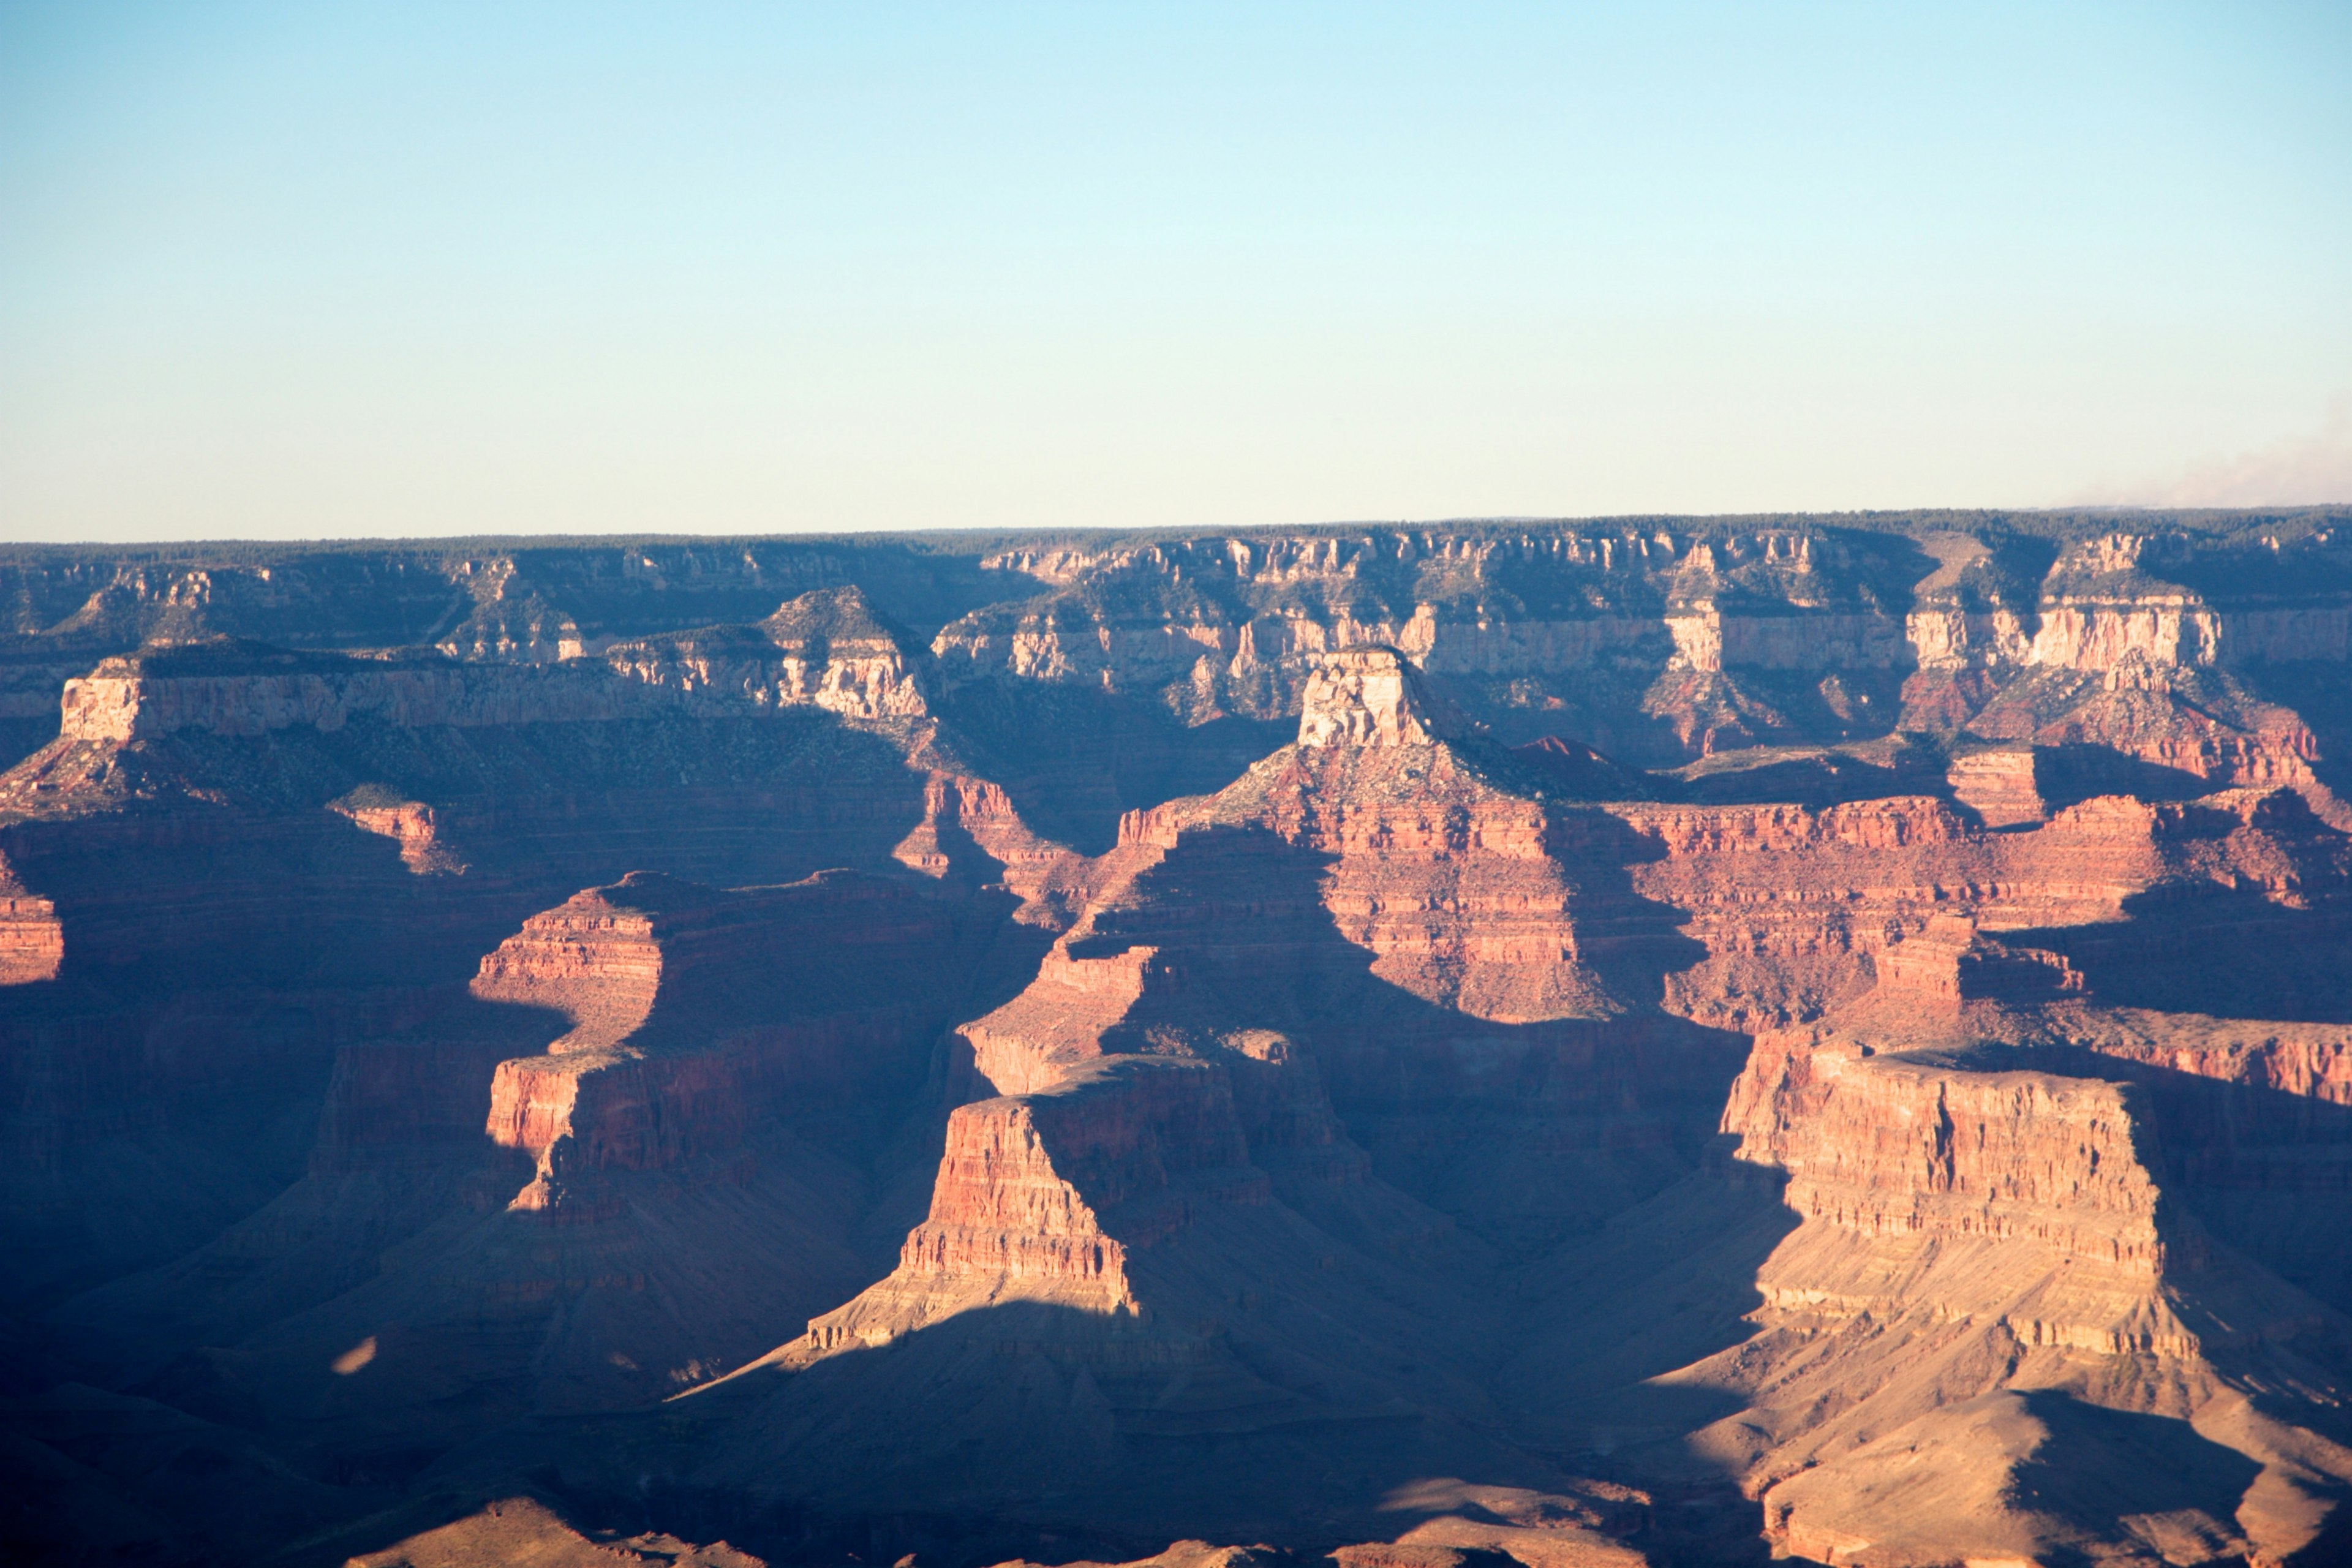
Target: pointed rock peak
[(1374, 697), (826, 616)]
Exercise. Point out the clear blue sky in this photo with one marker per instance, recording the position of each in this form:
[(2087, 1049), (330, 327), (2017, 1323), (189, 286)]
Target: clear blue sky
[(338, 269)]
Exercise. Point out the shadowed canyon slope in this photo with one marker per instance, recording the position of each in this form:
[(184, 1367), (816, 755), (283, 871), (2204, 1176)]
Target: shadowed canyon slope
[(1672, 1042)]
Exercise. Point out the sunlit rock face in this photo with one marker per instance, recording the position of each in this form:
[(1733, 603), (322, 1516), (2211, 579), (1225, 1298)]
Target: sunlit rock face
[(1564, 1043), (1372, 698)]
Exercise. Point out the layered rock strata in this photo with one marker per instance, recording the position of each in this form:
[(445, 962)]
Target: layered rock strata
[(826, 650), (1977, 1243), (1041, 1197), (829, 650), (1341, 1125), (687, 1008), (32, 941)]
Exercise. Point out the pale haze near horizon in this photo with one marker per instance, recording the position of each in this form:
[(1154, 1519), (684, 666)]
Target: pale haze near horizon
[(302, 271)]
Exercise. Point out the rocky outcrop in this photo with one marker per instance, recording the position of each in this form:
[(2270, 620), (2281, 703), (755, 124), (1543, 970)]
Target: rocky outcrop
[(971, 833), (2309, 1063), (1060, 1020), (828, 649), (1948, 963), (1886, 1150), (1372, 698), (1994, 1283), (1043, 1197), (824, 651), (2002, 787), (32, 941), (689, 1007), (415, 827), (1795, 905), (2107, 602), (594, 959)]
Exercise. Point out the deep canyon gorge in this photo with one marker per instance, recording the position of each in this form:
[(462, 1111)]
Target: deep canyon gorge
[(1669, 1041)]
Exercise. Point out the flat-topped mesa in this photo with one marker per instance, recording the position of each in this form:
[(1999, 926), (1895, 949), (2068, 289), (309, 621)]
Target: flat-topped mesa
[(229, 688), (1058, 1021), (826, 649), (593, 959), (1966, 1237), (1374, 697), (1886, 1147), (2013, 1197), (1044, 1197), (829, 649)]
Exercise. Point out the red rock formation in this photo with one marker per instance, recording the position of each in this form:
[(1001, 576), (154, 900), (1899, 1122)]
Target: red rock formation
[(1059, 1021), (2000, 1208), (1794, 905), (592, 959), (32, 941), (1043, 1196), (688, 1008), (971, 830), (2001, 787), (1948, 963), (1965, 1232), (1884, 1150), (411, 824), (1118, 1060)]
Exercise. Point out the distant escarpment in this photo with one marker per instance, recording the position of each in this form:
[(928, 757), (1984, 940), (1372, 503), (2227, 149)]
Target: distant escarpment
[(1659, 641)]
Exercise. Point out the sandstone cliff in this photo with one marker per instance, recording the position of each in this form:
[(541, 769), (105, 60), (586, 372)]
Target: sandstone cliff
[(1966, 1234)]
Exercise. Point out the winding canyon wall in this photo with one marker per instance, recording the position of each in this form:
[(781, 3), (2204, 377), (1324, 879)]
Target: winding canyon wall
[(1582, 622)]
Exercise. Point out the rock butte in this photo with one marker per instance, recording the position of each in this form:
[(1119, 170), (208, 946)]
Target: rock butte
[(1563, 1043)]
